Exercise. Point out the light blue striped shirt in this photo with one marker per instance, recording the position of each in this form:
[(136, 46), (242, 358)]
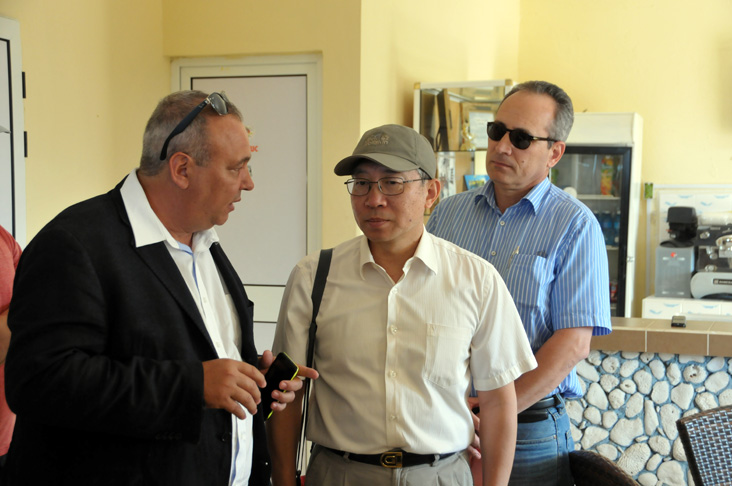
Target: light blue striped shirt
[(550, 251)]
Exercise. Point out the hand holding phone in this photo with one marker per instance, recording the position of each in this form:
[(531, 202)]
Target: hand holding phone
[(282, 368)]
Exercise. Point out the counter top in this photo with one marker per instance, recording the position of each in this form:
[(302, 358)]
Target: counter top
[(699, 338)]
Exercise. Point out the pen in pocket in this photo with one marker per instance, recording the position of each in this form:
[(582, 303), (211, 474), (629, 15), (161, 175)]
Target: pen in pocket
[(515, 252)]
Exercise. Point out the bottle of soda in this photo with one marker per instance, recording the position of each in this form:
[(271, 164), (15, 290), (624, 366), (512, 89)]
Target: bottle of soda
[(616, 228), (607, 166), (606, 223), (597, 216), (617, 177)]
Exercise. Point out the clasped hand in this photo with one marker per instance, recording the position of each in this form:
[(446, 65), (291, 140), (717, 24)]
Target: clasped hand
[(474, 447), (234, 385)]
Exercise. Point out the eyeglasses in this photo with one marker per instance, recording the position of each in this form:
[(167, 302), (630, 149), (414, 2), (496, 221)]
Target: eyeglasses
[(521, 139), (389, 186), (216, 100)]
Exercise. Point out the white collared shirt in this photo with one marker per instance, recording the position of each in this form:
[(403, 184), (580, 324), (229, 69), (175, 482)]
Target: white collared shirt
[(212, 298), (395, 359)]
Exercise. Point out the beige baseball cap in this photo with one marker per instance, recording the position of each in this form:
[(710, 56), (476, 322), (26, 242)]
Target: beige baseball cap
[(396, 147)]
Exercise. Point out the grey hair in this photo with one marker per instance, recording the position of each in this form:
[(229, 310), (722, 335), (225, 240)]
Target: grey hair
[(564, 113), (193, 140)]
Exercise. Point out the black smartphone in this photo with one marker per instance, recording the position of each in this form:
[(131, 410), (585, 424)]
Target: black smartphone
[(282, 368), (678, 321)]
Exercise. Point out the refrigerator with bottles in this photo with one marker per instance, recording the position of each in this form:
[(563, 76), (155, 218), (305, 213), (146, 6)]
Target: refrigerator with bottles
[(602, 168)]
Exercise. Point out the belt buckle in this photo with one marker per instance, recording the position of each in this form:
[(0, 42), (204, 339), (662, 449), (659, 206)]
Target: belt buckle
[(391, 459)]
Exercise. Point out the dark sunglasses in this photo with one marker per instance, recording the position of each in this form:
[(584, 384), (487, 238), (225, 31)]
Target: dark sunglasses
[(216, 100), (521, 139)]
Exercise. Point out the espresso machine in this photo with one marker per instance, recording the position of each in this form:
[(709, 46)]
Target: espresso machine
[(696, 260)]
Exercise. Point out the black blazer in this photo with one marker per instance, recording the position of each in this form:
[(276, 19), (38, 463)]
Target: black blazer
[(104, 368)]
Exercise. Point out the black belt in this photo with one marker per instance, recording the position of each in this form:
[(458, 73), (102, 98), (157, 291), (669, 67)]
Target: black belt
[(392, 459), (538, 411)]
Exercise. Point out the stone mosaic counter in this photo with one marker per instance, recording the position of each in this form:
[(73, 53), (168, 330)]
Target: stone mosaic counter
[(638, 381)]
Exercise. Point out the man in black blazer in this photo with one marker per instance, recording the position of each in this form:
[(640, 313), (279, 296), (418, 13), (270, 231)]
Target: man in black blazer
[(132, 357)]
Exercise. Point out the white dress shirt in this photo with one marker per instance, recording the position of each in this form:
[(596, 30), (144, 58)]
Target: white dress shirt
[(208, 290), (395, 359)]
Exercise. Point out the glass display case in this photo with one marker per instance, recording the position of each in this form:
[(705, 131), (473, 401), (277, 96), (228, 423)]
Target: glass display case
[(453, 117), (597, 176)]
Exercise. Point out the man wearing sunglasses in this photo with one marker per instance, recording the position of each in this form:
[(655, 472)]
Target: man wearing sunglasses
[(132, 357), (405, 317), (549, 249)]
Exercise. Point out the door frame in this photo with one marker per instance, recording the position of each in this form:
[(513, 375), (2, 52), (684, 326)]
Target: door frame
[(17, 226)]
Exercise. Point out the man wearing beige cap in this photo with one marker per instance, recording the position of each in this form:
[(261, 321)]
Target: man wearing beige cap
[(405, 320)]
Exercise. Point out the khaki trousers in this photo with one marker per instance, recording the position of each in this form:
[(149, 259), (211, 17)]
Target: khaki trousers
[(329, 469)]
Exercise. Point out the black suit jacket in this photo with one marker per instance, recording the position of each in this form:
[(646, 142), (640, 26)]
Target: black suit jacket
[(104, 368)]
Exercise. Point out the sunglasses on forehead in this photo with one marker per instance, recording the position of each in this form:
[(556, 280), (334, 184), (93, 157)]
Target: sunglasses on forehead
[(216, 100), (521, 139)]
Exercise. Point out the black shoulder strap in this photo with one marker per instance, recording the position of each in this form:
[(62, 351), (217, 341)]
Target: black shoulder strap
[(321, 276)]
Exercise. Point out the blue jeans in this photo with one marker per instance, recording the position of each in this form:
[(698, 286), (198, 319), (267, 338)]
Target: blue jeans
[(542, 451)]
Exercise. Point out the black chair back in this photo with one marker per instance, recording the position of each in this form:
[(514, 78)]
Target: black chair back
[(707, 440)]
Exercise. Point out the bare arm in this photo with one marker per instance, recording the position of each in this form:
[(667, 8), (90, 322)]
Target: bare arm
[(283, 431), (498, 433), (556, 358), (283, 428), (4, 335)]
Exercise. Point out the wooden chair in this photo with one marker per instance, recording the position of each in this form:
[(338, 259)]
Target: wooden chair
[(592, 469), (707, 440)]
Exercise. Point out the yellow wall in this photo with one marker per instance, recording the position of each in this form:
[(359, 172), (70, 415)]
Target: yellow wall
[(252, 27), (669, 61), (373, 52), (94, 70), (412, 41)]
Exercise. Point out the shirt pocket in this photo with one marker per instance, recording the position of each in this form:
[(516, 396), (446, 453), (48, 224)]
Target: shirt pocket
[(447, 353), (527, 279)]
